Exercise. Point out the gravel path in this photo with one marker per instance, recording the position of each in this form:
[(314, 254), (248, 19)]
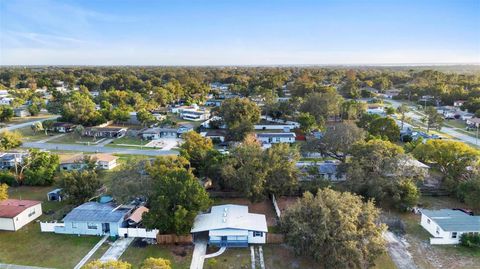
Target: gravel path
[(397, 248)]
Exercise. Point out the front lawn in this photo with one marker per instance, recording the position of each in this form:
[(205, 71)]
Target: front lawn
[(29, 135), (179, 256), (129, 141), (29, 246), (72, 138)]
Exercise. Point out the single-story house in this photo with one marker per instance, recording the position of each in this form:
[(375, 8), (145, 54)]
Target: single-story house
[(3, 93), (458, 103), (63, 127), (14, 214), (69, 162), (231, 226), (184, 128), (327, 169), (215, 135), (473, 122), (157, 133), (272, 138), (179, 109), (214, 102), (94, 218), (447, 225), (108, 132), (8, 159), (105, 161), (55, 195), (376, 109), (6, 101), (206, 124), (21, 112), (270, 125), (194, 115)]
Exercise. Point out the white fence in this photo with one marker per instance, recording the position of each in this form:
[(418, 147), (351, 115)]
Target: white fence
[(275, 205), (50, 226), (138, 232)]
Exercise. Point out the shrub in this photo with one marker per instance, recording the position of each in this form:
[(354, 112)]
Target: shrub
[(7, 178), (470, 240)]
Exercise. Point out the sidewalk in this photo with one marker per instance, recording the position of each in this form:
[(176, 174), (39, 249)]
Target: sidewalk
[(90, 253), (116, 249)]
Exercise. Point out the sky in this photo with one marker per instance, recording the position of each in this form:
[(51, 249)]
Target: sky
[(242, 32)]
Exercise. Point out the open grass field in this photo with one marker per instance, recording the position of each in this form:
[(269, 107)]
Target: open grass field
[(72, 138), (129, 141), (179, 256)]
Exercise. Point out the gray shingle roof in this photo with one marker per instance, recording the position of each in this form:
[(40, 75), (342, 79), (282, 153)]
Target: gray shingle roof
[(95, 212), (454, 220)]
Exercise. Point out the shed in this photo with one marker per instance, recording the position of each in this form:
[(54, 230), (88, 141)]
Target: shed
[(54, 195), (14, 214)]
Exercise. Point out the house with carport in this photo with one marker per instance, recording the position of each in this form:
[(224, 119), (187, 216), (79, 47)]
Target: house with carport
[(230, 226)]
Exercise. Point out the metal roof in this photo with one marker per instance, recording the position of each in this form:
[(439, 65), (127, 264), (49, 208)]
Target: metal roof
[(96, 212), (275, 134), (230, 217), (453, 220)]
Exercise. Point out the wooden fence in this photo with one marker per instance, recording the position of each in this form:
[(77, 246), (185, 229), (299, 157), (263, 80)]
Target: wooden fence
[(164, 239)]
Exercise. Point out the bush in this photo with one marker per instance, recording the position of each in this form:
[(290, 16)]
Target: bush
[(7, 178), (470, 240)]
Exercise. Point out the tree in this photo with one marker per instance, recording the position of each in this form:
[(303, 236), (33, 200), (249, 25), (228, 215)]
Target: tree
[(177, 196), (307, 122), (3, 191), (432, 119), (156, 263), (239, 114), (79, 129), (120, 114), (10, 140), (385, 128), (322, 105), (37, 127), (245, 171), (79, 186), (47, 125), (453, 158), (334, 228), (380, 169), (131, 181), (111, 264), (145, 117), (469, 192), (79, 108), (199, 151), (337, 140), (41, 169), (402, 110), (282, 172), (6, 113)]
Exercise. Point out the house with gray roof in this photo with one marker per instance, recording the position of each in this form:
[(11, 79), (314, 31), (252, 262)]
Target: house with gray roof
[(231, 226), (94, 218), (273, 138), (447, 225)]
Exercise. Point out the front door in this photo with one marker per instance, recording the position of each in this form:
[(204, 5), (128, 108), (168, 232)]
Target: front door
[(106, 228)]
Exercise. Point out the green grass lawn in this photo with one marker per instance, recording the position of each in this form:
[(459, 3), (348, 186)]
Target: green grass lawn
[(136, 254), (130, 141), (72, 138), (29, 246), (28, 134)]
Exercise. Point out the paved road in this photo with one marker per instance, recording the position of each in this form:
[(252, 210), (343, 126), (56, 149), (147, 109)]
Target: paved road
[(16, 266), (84, 148), (447, 130), (26, 124)]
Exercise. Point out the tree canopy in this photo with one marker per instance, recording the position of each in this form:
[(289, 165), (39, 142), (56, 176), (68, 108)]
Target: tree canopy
[(336, 229), (239, 114)]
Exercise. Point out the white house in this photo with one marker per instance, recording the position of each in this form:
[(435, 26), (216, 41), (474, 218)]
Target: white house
[(5, 101), (376, 109), (194, 114), (473, 122), (14, 214), (447, 225), (231, 226), (215, 135), (269, 125), (105, 161), (272, 138)]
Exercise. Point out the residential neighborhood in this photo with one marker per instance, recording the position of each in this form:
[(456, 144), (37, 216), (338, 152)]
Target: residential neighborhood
[(239, 135)]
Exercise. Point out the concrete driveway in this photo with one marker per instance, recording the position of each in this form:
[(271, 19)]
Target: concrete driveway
[(198, 256), (116, 249)]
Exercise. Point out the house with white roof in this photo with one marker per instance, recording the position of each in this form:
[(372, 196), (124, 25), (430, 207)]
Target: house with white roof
[(447, 225), (273, 138), (231, 226)]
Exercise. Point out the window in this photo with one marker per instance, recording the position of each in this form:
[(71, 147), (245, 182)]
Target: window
[(74, 225), (257, 234), (31, 213), (92, 226), (454, 234)]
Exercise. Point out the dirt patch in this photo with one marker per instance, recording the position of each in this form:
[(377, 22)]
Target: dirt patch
[(265, 207), (284, 202)]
